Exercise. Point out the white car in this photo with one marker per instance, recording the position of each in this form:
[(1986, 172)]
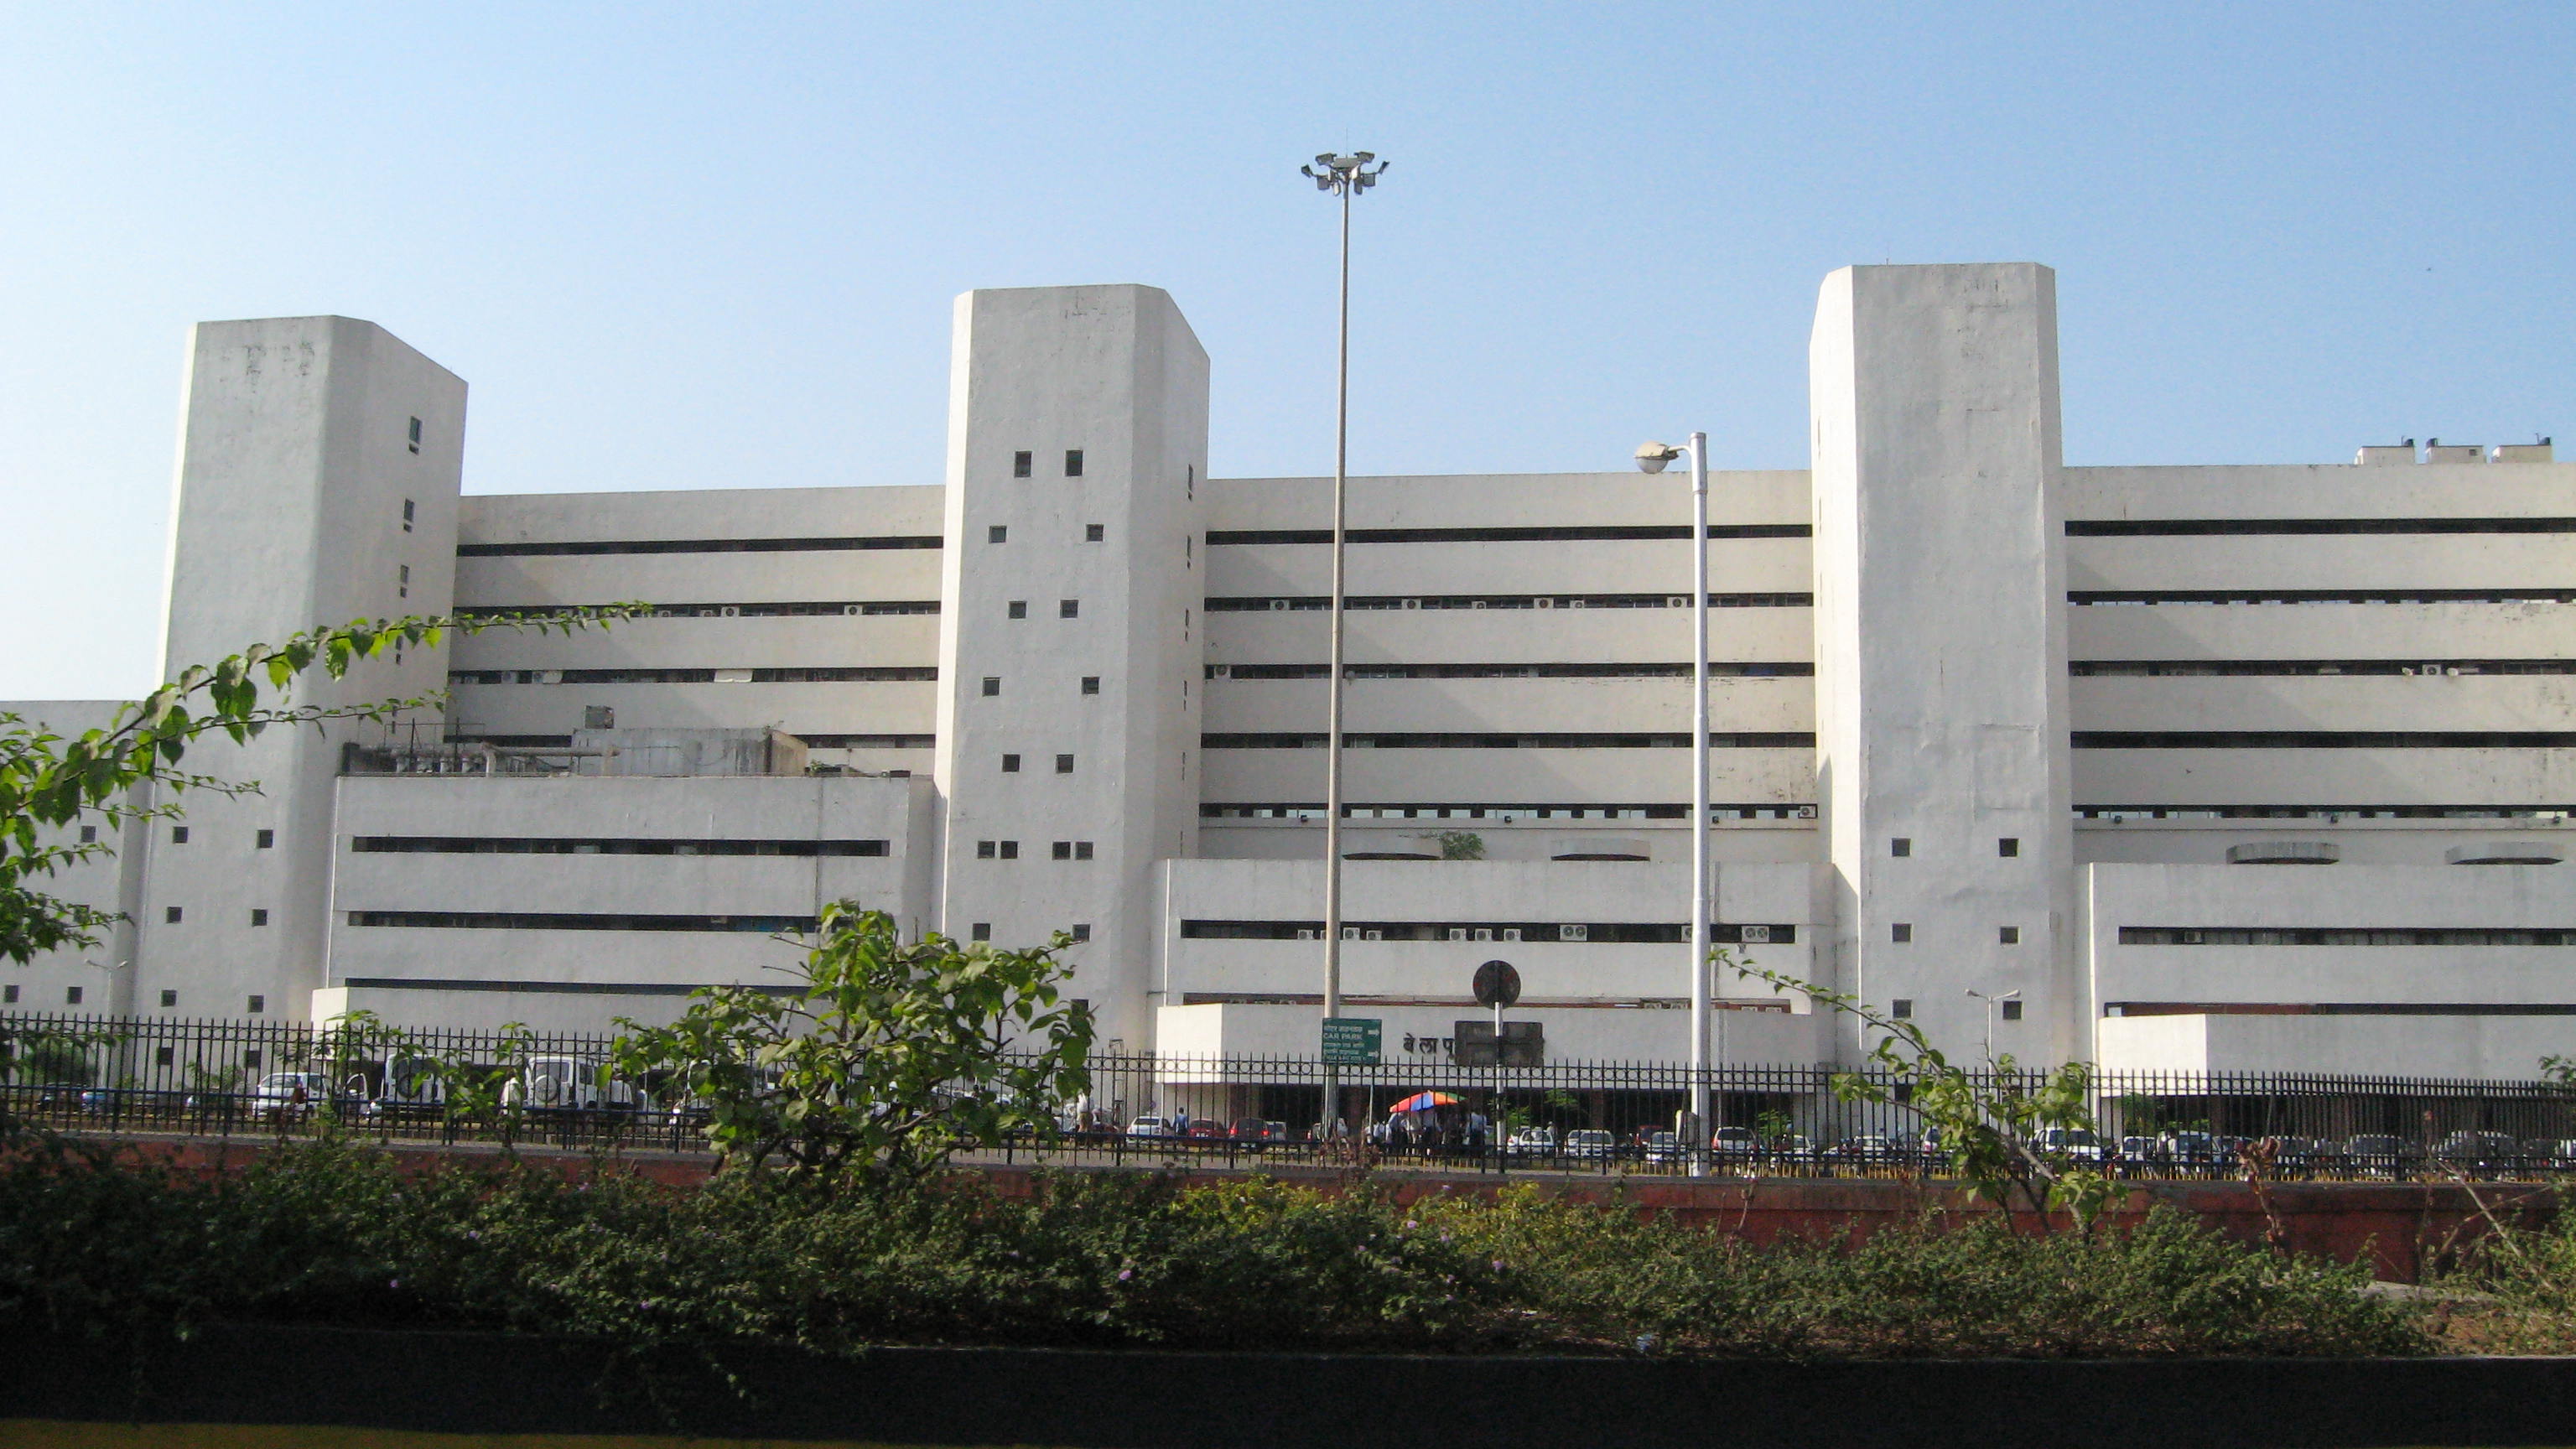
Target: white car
[(1151, 1127), (1734, 1142), (1533, 1142), (290, 1096), (1590, 1142), (1663, 1147)]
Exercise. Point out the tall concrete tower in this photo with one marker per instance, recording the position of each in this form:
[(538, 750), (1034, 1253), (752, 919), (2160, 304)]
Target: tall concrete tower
[(1070, 639), (318, 476), (1941, 691)]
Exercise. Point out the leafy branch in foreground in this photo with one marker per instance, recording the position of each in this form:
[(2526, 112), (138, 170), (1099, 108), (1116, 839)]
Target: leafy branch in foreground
[(887, 1056), (2000, 1129), (48, 781)]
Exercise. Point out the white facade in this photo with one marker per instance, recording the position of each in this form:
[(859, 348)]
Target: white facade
[(2098, 708)]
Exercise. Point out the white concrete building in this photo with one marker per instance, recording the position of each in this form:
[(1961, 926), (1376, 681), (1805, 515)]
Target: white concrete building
[(2188, 768)]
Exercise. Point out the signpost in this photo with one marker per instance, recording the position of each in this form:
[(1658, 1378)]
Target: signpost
[(1352, 1041), (1498, 984)]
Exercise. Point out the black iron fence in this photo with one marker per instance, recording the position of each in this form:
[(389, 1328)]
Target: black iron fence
[(231, 1077)]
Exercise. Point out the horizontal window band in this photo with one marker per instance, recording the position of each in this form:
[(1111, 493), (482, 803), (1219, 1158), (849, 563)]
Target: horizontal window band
[(1781, 740), (823, 608), (1468, 1003), (2208, 527), (695, 545), (532, 845), (2083, 597), (1800, 669), (542, 988), (2345, 936), (2322, 739), (2320, 812), (812, 741), (1355, 603), (1592, 933), (2327, 668), (2335, 1008), (1315, 811), (856, 674), (576, 921), (1575, 533)]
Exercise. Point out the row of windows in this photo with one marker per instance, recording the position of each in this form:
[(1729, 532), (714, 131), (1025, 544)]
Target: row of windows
[(2352, 936), (1091, 533), (1505, 812), (1799, 669), (2324, 812), (855, 674), (1575, 533), (1358, 602), (2321, 739), (578, 921), (1902, 846), (1080, 931), (1595, 932), (1568, 740), (993, 685), (176, 915), (72, 996), (1010, 850), (812, 740), (1902, 1009), (578, 845), (1902, 933), (2085, 597), (1022, 462), (2270, 667), (696, 545), (1064, 609), (2202, 527), (261, 839), (1063, 764), (847, 607)]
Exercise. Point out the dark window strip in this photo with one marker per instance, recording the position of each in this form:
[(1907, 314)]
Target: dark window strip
[(2204, 527), (2345, 936), (1783, 740), (529, 845), (867, 742), (695, 545), (847, 607), (2187, 668), (1306, 602), (2335, 1008), (1799, 669), (2322, 739), (1590, 933), (2320, 812), (1400, 811), (1576, 533), (576, 921), (545, 988), (857, 674), (2320, 596)]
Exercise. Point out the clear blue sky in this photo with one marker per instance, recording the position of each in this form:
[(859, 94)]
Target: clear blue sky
[(714, 246)]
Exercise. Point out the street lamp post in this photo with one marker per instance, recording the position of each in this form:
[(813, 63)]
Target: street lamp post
[(1345, 177), (1653, 458), (1991, 1003)]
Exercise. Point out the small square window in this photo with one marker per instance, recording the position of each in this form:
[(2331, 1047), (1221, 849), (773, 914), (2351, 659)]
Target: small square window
[(8, 995), (998, 533), (2012, 1011), (980, 931), (1091, 684), (2008, 847), (170, 916), (1064, 850), (1900, 847), (1068, 608), (1094, 533), (992, 685), (2009, 935), (1064, 764), (1081, 931), (169, 999), (89, 835), (1010, 850), (1073, 462), (1019, 608), (250, 1058), (1902, 1008), (167, 1056), (1082, 850), (406, 515), (1010, 764), (72, 996), (264, 840), (1901, 932), (178, 835), (259, 915), (258, 1005), (983, 850), (1020, 464), (415, 435)]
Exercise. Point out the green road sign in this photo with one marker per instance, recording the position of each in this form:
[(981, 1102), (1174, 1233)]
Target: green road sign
[(1353, 1041)]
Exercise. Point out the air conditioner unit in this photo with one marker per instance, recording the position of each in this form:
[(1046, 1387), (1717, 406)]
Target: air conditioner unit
[(1677, 601), (2430, 669), (730, 611), (1478, 604), (1305, 933), (1755, 935), (1221, 671), (1457, 933), (1413, 603), (1806, 812), (853, 608), (1545, 603), (1484, 933), (706, 613), (1511, 933), (1577, 604), (549, 676), (1375, 935), (1574, 933), (1279, 605), (1350, 933)]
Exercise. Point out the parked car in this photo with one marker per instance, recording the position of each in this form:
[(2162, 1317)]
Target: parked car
[(2550, 1151), (2378, 1154), (2076, 1144), (289, 1096), (1664, 1147), (1204, 1129), (1735, 1142), (1151, 1127), (2191, 1149), (1590, 1142), (1533, 1142), (2486, 1150), (1259, 1132)]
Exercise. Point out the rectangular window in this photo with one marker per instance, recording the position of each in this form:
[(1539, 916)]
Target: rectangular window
[(1081, 932), (1091, 684), (983, 850), (1010, 764), (406, 515), (2012, 1011), (264, 840), (1010, 850), (169, 999), (998, 533), (2009, 935), (415, 435), (1064, 764), (1019, 608), (1064, 850), (1073, 462), (1902, 1008), (1900, 847), (1082, 850), (167, 1056), (1068, 608), (2008, 847), (259, 915), (1094, 533), (258, 1005), (992, 685), (89, 835), (1901, 932), (250, 1058), (178, 835), (980, 931), (170, 916), (72, 996), (8, 995), (1020, 463)]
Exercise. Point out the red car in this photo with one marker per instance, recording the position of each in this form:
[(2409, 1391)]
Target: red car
[(1202, 1130)]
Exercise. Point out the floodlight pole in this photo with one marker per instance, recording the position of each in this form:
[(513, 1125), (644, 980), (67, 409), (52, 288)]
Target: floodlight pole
[(1699, 922)]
